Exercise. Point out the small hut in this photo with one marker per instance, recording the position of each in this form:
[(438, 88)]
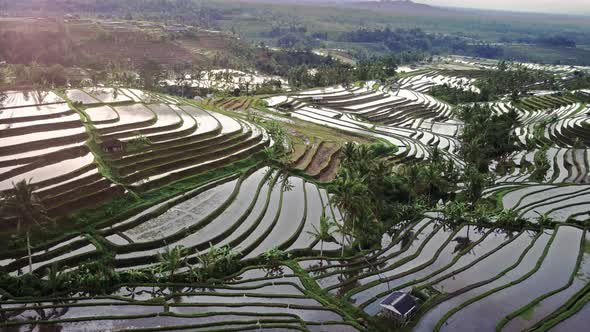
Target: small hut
[(399, 306), (112, 146)]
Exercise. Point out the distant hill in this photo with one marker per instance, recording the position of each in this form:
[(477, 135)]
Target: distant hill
[(397, 6)]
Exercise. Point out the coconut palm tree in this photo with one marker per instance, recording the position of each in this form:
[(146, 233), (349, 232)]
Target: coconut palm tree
[(26, 208), (173, 259), (351, 196), (348, 152), (324, 232), (543, 220)]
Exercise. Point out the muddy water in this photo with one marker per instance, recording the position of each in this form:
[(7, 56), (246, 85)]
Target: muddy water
[(80, 97), (553, 273), (21, 99), (553, 302), (14, 114), (290, 219), (102, 113), (50, 171), (314, 213), (108, 95), (427, 322), (182, 215)]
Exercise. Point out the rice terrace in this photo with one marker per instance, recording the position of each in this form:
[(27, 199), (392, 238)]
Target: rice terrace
[(265, 165)]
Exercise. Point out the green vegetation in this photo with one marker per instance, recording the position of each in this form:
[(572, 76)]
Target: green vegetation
[(366, 188), (457, 96), (486, 136), (341, 73), (22, 205)]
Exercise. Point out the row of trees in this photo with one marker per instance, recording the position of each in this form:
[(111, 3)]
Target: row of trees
[(35, 74), (341, 73)]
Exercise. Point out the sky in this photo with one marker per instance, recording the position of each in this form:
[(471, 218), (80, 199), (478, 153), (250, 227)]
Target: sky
[(581, 7)]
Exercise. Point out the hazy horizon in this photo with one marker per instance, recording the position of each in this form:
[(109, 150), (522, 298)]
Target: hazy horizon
[(575, 7)]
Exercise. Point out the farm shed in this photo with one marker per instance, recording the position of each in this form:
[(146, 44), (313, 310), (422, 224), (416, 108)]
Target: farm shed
[(399, 306), (112, 146)]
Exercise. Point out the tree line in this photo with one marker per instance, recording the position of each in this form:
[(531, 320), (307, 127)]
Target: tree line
[(417, 40)]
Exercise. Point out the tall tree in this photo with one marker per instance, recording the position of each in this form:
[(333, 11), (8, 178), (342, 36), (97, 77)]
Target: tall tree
[(173, 259), (351, 196), (22, 204), (323, 233)]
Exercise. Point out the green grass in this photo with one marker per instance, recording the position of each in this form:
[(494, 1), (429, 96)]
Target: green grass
[(341, 306), (528, 313)]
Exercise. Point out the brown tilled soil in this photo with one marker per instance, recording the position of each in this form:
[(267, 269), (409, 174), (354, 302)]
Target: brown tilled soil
[(321, 158), (330, 172), (298, 152), (304, 161)]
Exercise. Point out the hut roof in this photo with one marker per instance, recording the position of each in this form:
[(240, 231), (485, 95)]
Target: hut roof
[(400, 303)]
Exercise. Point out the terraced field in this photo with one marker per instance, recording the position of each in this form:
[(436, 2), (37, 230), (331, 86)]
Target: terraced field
[(555, 126), (414, 122), (88, 145), (256, 299), (45, 143), (56, 145), (257, 212), (465, 273), (424, 82)]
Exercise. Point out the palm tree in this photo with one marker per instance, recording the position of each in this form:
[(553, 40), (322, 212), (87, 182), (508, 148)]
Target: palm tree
[(351, 196), (413, 174), (173, 259), (543, 220), (324, 233), (55, 278), (348, 151), (26, 208)]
